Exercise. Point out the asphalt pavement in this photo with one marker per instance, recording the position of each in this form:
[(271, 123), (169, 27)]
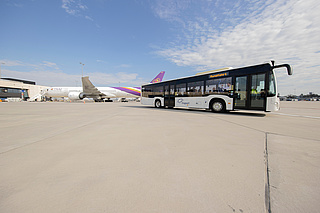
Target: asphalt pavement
[(126, 157)]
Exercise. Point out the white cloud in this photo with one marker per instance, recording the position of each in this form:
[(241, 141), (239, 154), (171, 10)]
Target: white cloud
[(52, 78), (123, 66), (50, 64), (164, 9), (113, 79), (13, 4), (48, 74), (45, 78), (101, 61), (18, 5), (286, 31), (78, 9), (43, 65), (11, 63), (67, 6), (82, 6), (73, 7), (88, 18)]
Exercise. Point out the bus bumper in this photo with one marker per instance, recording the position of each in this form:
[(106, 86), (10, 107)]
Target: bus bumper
[(273, 104)]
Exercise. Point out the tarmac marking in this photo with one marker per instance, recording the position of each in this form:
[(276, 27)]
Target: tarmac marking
[(304, 116), (266, 177)]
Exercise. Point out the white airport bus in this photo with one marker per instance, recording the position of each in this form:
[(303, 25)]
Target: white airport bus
[(249, 88)]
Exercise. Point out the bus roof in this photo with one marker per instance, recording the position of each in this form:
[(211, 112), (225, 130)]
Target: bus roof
[(211, 71)]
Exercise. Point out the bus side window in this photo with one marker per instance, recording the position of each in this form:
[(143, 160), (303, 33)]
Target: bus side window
[(219, 86), (181, 89), (195, 88), (158, 91), (147, 92)]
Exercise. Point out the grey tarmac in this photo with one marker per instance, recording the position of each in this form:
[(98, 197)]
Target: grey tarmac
[(126, 157)]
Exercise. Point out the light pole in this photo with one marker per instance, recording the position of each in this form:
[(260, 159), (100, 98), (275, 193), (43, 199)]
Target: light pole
[(0, 68), (82, 68)]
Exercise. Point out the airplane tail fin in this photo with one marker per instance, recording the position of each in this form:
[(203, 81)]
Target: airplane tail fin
[(158, 78), (88, 87)]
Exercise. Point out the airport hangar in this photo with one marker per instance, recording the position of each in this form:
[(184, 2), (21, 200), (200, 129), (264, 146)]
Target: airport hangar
[(11, 88)]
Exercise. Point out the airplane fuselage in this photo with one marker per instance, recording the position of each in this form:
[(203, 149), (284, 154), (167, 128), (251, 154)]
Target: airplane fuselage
[(88, 90), (60, 92), (111, 92)]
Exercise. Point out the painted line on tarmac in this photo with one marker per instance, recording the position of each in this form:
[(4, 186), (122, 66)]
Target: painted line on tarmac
[(267, 176), (304, 116)]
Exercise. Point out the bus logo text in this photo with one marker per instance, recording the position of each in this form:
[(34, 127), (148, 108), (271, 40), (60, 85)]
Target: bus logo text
[(180, 101), (219, 75)]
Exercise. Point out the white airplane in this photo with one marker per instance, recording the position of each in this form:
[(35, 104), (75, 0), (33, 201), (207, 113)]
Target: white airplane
[(88, 90)]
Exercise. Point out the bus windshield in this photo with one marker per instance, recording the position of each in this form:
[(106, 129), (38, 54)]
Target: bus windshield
[(272, 85)]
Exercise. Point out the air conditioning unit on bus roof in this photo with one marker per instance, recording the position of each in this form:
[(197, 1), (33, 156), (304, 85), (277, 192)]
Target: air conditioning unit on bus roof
[(212, 71)]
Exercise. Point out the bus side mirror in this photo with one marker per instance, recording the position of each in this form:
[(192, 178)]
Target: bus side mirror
[(284, 65)]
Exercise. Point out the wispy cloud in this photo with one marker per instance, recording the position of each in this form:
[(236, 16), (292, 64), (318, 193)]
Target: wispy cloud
[(42, 65), (286, 31), (17, 5), (49, 74), (11, 63), (101, 61), (123, 66), (116, 66), (14, 4), (73, 7), (66, 5), (50, 64), (45, 78), (88, 18), (77, 8), (113, 79), (52, 78), (170, 9)]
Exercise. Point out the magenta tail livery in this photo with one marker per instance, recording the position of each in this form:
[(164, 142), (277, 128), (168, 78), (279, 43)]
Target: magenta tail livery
[(158, 78)]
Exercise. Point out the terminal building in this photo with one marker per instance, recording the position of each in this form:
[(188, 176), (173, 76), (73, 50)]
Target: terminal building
[(17, 89)]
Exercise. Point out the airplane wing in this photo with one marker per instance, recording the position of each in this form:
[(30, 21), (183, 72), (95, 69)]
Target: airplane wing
[(89, 89)]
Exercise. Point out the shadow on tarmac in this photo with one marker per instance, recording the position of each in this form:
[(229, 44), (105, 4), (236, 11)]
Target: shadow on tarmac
[(192, 110)]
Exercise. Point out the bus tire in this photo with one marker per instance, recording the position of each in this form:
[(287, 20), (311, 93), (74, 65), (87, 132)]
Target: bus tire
[(218, 106), (157, 103)]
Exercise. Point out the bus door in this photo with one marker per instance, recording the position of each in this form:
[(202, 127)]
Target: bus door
[(257, 93), (241, 92), (250, 92), (169, 95)]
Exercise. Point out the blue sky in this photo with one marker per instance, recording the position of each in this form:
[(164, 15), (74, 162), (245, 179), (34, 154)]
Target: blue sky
[(128, 42)]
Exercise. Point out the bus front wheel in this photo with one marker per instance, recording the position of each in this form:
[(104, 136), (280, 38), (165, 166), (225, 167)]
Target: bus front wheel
[(218, 106)]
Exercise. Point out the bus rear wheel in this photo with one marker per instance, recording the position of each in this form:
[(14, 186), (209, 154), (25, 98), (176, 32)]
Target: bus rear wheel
[(218, 106), (157, 104)]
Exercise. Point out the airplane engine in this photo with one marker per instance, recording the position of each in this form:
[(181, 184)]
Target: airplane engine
[(76, 95)]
